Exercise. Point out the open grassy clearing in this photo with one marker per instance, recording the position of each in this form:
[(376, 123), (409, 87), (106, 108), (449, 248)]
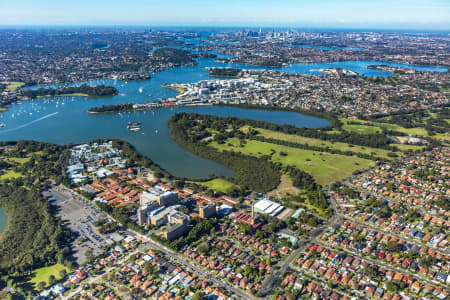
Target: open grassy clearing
[(444, 137), (175, 88), (408, 147), (13, 85), (320, 143), (37, 153), (412, 131), (22, 160), (357, 128), (44, 273), (10, 174), (19, 160), (362, 129), (326, 168), (374, 127), (218, 185), (284, 189)]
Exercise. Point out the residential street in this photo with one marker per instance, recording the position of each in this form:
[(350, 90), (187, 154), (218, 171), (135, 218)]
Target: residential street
[(378, 263)]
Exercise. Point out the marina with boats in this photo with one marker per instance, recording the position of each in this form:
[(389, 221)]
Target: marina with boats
[(65, 119)]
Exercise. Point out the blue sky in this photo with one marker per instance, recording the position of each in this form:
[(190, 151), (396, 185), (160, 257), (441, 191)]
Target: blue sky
[(402, 14)]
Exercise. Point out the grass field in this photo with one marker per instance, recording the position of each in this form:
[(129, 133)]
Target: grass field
[(10, 174), (402, 147), (326, 168), (20, 160), (12, 86), (362, 129), (408, 147), (442, 136), (320, 143), (178, 89), (2, 109), (377, 127), (44, 273), (411, 131), (218, 185)]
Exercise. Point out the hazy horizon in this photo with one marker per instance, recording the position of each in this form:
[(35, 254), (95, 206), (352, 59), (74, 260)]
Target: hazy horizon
[(346, 14), (219, 27)]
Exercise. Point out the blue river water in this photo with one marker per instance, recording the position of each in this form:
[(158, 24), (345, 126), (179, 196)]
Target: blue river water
[(65, 119)]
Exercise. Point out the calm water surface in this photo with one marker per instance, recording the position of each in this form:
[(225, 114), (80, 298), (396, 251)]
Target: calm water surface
[(65, 119)]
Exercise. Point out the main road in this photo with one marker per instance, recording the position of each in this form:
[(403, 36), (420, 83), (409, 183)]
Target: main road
[(271, 280), (169, 253), (200, 272)]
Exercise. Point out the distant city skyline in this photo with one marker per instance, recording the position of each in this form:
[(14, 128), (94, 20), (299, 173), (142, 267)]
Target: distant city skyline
[(376, 14)]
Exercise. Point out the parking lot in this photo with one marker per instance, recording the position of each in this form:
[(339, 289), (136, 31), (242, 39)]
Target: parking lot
[(79, 216)]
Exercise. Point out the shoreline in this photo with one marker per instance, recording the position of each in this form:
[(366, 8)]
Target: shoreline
[(160, 106), (65, 95), (180, 91)]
